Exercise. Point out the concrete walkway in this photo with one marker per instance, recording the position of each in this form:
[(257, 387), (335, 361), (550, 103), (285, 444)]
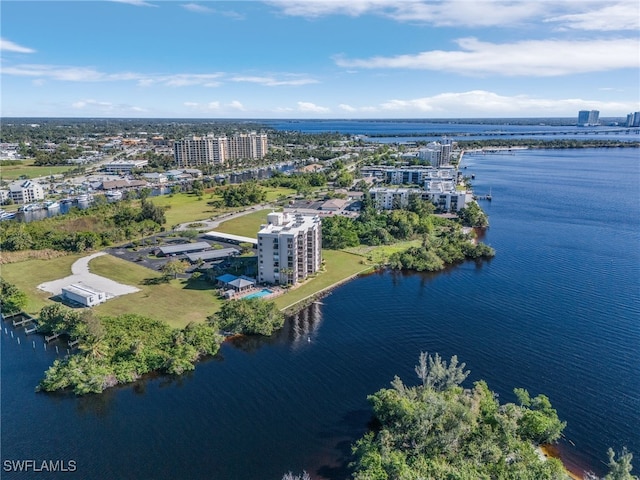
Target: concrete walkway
[(82, 276), (215, 222)]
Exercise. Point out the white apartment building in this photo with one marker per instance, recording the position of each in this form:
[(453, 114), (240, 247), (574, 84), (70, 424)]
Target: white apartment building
[(418, 175), (198, 151), (212, 150), (124, 166), (289, 248), (248, 146), (437, 154), (26, 191), (442, 193), (390, 198)]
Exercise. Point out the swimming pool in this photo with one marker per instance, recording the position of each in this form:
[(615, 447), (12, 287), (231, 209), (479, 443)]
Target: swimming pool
[(262, 293)]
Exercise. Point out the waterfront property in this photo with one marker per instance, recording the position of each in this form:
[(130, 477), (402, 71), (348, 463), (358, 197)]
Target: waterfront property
[(83, 295), (289, 248), (25, 191), (442, 194)]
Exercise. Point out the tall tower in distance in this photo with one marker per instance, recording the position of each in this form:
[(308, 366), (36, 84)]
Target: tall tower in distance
[(588, 118)]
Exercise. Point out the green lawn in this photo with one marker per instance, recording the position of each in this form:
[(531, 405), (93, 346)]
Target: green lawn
[(185, 207), (246, 225), (339, 266), (275, 193), (176, 302), (380, 254), (29, 274), (27, 168)]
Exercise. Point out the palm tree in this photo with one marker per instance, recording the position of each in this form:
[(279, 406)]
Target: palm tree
[(95, 347)]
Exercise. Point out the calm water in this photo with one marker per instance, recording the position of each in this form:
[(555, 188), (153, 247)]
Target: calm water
[(540, 129), (557, 311)]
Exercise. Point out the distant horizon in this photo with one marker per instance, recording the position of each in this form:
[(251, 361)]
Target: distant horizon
[(319, 59), (315, 119)]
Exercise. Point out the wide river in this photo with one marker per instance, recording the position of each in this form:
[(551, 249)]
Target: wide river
[(557, 311)]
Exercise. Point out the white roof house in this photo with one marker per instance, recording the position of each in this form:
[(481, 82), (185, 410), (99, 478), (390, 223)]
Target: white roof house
[(83, 295)]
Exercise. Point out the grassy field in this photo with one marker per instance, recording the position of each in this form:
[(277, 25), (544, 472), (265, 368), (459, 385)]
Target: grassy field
[(176, 302), (29, 274), (339, 266), (27, 168), (380, 254), (185, 207), (246, 225)]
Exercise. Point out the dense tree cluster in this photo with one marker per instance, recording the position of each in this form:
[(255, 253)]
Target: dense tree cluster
[(12, 300), (121, 349), (443, 241), (300, 182), (250, 317), (249, 193), (82, 230), (440, 430), (473, 216), (115, 350)]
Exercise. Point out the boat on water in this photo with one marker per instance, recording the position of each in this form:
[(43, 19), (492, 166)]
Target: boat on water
[(51, 204)]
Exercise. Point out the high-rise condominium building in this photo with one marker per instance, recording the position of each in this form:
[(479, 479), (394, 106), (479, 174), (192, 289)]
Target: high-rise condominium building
[(437, 154), (216, 150), (289, 248), (633, 119), (588, 118)]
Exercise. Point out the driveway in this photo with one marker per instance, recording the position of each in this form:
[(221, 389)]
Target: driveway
[(82, 276)]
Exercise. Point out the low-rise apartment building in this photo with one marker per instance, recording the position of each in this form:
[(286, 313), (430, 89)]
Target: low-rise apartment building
[(26, 191)]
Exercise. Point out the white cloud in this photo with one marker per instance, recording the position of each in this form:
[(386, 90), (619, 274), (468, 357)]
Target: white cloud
[(609, 17), (73, 74), (197, 8), (135, 3), (529, 57), (203, 107), (292, 80), (90, 74), (236, 105), (477, 13), (309, 107), (91, 107), (583, 14), (347, 108), (188, 79), (484, 103), (91, 103), (434, 12), (9, 46)]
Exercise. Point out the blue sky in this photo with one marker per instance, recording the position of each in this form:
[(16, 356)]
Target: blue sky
[(319, 59)]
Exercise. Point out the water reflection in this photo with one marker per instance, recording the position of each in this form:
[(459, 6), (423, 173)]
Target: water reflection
[(298, 330)]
